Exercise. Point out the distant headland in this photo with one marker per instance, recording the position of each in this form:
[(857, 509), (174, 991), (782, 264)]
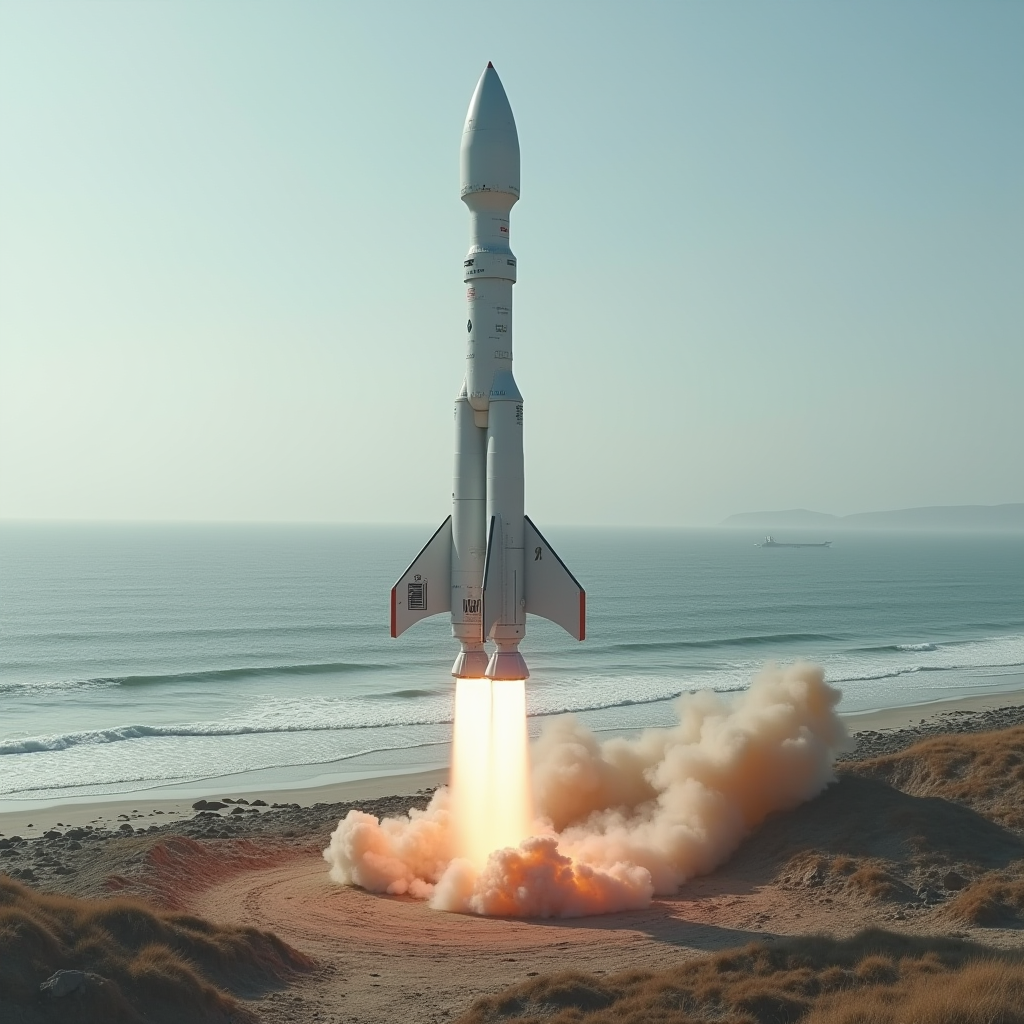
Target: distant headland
[(1000, 518)]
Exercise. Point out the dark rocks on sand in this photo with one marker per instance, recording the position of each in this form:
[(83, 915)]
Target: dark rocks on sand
[(126, 828), (953, 881), (63, 983), (208, 805)]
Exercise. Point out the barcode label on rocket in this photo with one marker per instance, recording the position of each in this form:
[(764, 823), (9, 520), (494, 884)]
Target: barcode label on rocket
[(418, 597)]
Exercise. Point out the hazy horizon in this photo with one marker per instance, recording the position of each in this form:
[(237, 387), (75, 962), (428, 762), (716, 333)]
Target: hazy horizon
[(839, 521), (769, 257)]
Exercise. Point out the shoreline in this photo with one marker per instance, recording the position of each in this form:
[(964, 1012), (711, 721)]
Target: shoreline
[(874, 731), (906, 715)]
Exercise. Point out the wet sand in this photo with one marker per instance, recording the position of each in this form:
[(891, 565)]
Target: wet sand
[(142, 807)]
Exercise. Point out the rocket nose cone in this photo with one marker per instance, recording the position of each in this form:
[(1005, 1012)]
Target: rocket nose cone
[(489, 109), (490, 143)]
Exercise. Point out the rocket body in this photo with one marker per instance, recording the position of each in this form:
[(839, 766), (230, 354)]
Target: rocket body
[(477, 565)]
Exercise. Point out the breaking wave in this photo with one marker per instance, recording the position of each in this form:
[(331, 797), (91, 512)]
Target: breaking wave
[(216, 675), (756, 640)]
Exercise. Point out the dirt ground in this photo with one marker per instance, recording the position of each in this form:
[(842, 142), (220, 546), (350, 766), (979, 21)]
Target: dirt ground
[(386, 958)]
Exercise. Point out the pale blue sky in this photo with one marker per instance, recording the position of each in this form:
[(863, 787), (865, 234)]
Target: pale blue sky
[(771, 255)]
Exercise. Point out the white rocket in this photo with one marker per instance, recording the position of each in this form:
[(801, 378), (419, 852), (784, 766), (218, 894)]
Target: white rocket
[(487, 563)]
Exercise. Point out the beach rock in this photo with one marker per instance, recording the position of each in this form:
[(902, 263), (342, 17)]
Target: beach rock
[(75, 833), (208, 805), (814, 877), (259, 803), (953, 881), (53, 834), (63, 983), (126, 828), (237, 810)]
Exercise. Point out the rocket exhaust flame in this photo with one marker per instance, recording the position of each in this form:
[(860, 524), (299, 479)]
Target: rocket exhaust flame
[(491, 803)]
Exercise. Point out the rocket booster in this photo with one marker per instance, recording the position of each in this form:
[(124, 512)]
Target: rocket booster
[(487, 564)]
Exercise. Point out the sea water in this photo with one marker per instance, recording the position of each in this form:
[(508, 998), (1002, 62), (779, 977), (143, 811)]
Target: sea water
[(146, 657)]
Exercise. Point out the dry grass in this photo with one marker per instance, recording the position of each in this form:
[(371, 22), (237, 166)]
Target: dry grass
[(995, 900), (868, 876), (984, 771), (878, 884), (152, 966), (874, 978)]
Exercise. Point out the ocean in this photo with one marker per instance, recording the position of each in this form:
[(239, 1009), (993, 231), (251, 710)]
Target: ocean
[(160, 658)]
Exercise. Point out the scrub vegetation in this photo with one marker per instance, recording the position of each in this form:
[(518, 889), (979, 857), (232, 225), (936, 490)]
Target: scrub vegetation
[(984, 771), (139, 964), (877, 977), (994, 901)]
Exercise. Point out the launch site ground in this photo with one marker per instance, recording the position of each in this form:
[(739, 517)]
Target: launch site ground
[(922, 835)]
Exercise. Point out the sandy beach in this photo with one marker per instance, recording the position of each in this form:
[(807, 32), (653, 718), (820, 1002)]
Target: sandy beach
[(811, 870)]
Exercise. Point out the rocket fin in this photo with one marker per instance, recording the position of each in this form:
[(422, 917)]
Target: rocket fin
[(490, 605), (425, 588), (552, 592)]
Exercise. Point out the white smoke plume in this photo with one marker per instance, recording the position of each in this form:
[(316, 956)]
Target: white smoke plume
[(622, 820)]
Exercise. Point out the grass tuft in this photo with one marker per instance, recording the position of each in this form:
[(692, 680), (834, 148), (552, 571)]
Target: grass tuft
[(143, 964), (875, 977), (995, 900)]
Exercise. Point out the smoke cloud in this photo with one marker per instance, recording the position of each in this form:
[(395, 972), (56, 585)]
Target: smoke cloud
[(618, 821)]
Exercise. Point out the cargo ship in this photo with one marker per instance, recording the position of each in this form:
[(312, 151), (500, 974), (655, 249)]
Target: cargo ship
[(771, 542)]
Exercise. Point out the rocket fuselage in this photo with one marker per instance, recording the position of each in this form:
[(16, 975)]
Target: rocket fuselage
[(491, 583), (489, 186)]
